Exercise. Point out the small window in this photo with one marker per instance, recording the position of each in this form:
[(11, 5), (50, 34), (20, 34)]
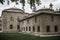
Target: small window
[(18, 19), (11, 26), (11, 18), (0, 24), (38, 28), (27, 21), (22, 22), (48, 29), (35, 19), (26, 28), (33, 28), (56, 28), (52, 18), (0, 20), (0, 29), (29, 28), (18, 26)]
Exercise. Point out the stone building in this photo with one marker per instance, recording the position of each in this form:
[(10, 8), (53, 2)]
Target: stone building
[(11, 19), (43, 22)]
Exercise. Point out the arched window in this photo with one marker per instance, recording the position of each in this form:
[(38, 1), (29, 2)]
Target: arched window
[(0, 29), (33, 28), (35, 19), (27, 21), (48, 29), (29, 28), (0, 20), (18, 19), (56, 28), (38, 28), (26, 28), (11, 18), (52, 18), (18, 26), (11, 26)]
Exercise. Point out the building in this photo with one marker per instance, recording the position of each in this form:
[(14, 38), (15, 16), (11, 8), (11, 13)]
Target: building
[(11, 19), (43, 22)]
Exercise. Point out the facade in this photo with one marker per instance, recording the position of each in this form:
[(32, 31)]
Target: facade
[(43, 22), (11, 19)]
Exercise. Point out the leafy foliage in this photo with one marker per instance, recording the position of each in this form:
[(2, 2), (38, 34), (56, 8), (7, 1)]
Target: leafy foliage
[(14, 0), (8, 2), (38, 2), (1, 1), (31, 2)]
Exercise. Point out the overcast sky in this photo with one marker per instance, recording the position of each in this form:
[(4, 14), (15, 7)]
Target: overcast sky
[(56, 4)]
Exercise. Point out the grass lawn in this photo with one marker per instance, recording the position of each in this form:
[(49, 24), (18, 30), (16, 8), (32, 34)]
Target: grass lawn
[(19, 36)]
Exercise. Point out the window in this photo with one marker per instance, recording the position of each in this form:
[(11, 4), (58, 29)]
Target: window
[(11, 18), (29, 28), (52, 18), (0, 20), (11, 26), (35, 19), (33, 28), (48, 29), (26, 28), (38, 28), (22, 22), (27, 21), (0, 29), (56, 28), (18, 19), (0, 24), (18, 26)]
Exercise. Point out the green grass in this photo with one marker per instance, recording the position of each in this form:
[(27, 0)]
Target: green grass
[(19, 36)]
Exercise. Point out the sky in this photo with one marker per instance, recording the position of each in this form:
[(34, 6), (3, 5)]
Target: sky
[(56, 5)]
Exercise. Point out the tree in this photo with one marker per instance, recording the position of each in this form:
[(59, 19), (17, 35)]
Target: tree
[(2, 1), (31, 2)]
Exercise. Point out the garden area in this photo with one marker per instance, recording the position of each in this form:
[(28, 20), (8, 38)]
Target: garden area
[(20, 36)]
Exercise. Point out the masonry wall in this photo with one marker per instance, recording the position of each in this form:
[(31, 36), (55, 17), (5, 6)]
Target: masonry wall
[(43, 21), (31, 23), (40, 21), (52, 22), (7, 21)]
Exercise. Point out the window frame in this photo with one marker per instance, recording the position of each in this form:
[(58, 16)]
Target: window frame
[(47, 28), (52, 18), (38, 28), (55, 28), (11, 26), (33, 28), (29, 28), (18, 26)]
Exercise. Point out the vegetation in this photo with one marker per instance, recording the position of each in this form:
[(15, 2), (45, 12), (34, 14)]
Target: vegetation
[(31, 2), (19, 36)]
